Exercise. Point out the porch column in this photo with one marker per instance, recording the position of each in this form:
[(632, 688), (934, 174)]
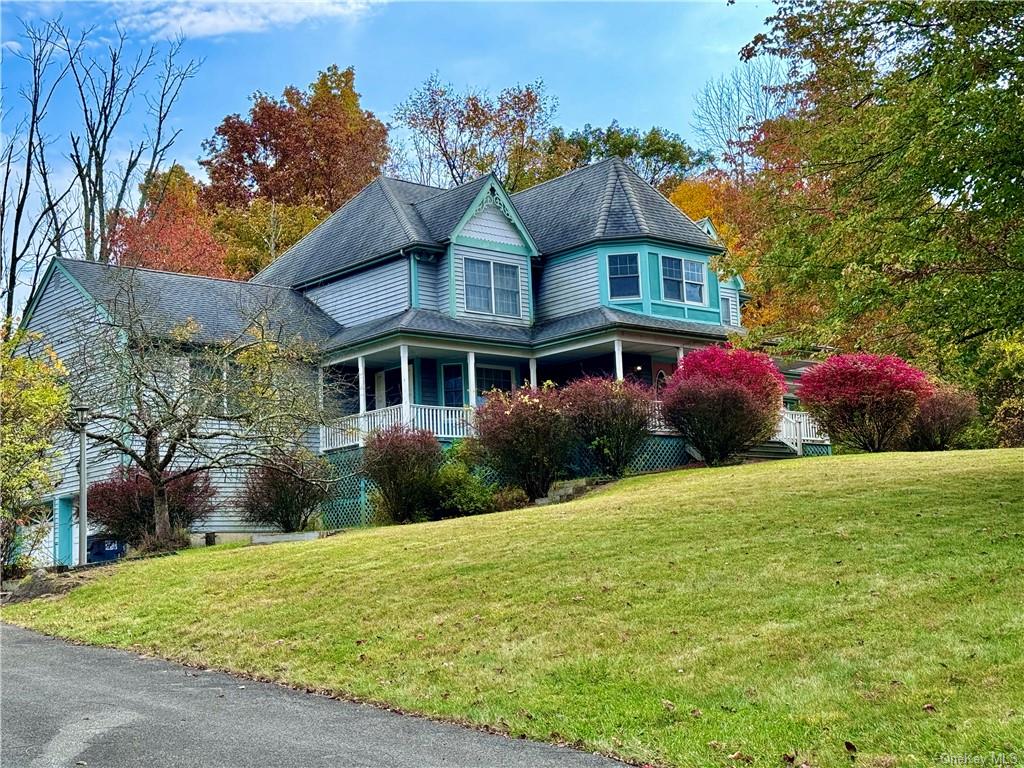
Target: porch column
[(619, 373), (533, 372), (320, 405), (406, 389), (471, 377), (361, 362), (680, 354)]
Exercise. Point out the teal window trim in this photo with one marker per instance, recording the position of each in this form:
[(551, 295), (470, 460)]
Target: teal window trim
[(414, 282), (638, 296)]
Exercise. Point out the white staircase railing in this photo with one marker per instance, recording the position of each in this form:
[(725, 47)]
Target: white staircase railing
[(797, 428)]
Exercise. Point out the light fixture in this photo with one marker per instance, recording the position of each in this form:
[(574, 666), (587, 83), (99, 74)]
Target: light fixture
[(81, 414)]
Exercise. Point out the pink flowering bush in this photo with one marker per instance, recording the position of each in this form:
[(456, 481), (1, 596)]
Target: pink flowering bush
[(941, 418), (723, 400), (526, 437), (865, 401), (611, 418), (403, 465)]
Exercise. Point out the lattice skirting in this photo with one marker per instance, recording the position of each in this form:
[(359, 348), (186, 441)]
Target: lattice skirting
[(814, 449), (658, 452), (349, 506)]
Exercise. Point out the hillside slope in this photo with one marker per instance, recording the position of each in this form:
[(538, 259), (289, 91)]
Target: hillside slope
[(770, 611)]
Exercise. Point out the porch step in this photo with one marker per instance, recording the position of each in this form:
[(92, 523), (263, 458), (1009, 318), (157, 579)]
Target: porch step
[(567, 490), (769, 450)]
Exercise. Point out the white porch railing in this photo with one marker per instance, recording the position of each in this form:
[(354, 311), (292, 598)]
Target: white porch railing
[(795, 428)]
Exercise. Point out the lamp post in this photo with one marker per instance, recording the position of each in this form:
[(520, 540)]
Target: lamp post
[(82, 419)]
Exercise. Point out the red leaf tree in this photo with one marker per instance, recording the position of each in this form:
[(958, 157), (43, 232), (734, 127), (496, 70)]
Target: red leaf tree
[(724, 400), (611, 418), (865, 401), (309, 146)]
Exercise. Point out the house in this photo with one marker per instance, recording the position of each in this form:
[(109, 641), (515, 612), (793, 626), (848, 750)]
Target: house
[(424, 298)]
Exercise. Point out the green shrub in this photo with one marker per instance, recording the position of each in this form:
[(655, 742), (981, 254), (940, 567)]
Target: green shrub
[(942, 418), (1009, 422), (510, 497), (461, 493)]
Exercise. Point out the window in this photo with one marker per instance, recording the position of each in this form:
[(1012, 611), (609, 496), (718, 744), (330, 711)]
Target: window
[(694, 281), (493, 378), (492, 288), (726, 310), (624, 276), (672, 278), (453, 391)]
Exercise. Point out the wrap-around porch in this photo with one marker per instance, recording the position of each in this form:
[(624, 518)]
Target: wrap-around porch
[(436, 387)]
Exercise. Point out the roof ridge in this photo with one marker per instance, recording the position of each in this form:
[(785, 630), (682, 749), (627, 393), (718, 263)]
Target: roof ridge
[(109, 265), (606, 204), (414, 183), (675, 207), (634, 204), (452, 189), (396, 208)]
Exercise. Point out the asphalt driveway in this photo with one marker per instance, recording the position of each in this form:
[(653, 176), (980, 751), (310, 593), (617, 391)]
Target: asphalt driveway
[(65, 705)]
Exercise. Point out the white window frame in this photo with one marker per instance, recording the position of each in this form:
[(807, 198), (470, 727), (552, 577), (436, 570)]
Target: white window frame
[(512, 377), (683, 280), (703, 282), (726, 316), (639, 277), (494, 288)]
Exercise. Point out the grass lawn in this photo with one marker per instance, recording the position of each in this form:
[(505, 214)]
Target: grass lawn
[(774, 610)]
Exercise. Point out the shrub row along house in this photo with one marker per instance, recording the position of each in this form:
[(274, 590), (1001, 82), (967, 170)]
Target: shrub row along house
[(418, 300)]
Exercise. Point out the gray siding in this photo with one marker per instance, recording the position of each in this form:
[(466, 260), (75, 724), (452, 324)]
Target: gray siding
[(568, 287), (491, 224), (733, 295), (433, 284), (373, 293), (461, 252)]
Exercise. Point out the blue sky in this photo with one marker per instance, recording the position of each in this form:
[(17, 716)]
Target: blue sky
[(639, 63)]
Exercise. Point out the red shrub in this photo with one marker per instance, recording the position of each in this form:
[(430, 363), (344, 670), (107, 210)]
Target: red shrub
[(288, 493), (123, 504), (611, 418), (724, 400), (526, 437), (864, 401), (941, 418), (403, 464)]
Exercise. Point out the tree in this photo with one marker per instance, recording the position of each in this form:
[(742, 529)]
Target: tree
[(895, 195), (731, 110), (315, 146), (107, 86), (171, 231), (457, 136), (30, 233), (255, 234), (177, 399), (33, 404)]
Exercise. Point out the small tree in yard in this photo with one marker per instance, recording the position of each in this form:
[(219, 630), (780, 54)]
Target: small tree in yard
[(724, 400), (865, 401), (611, 418), (403, 465), (526, 437), (287, 494), (123, 504), (1009, 422), (941, 418), (175, 399)]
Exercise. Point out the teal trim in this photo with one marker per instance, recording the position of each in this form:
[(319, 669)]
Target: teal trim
[(414, 283), (62, 531), (55, 266), (491, 245), (654, 268), (510, 208), (675, 309), (451, 280)]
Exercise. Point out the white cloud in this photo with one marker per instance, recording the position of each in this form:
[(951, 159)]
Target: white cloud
[(214, 18), (11, 45)]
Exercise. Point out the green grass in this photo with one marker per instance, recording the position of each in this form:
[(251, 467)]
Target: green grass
[(770, 609)]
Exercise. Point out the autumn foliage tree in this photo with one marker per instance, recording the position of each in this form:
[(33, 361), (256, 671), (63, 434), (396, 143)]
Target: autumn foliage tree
[(316, 146), (171, 231)]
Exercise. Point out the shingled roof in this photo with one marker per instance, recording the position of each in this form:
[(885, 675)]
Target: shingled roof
[(603, 201), (223, 309)]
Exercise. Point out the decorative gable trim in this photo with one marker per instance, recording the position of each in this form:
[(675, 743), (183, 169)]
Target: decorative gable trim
[(493, 194)]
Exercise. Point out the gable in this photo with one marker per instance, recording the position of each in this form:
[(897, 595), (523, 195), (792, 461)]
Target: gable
[(492, 224)]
